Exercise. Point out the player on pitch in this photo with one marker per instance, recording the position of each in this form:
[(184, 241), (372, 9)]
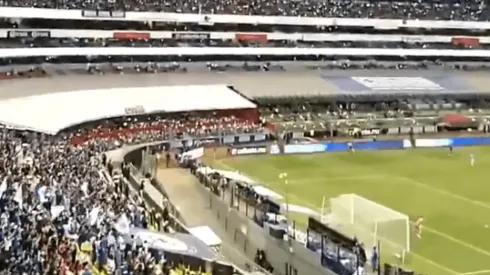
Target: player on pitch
[(418, 226)]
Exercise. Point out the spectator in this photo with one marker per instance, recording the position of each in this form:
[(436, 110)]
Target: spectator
[(423, 10), (131, 131), (57, 211)]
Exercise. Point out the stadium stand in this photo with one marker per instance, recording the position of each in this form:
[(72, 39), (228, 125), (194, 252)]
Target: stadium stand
[(215, 41), (66, 208), (393, 9)]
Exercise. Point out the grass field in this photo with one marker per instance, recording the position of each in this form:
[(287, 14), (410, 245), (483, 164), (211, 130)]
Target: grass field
[(453, 197)]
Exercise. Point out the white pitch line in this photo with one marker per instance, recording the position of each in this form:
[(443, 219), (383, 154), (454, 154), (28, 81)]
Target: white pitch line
[(400, 178), (446, 193), (417, 183), (314, 207), (441, 191), (328, 179), (476, 272), (458, 241)]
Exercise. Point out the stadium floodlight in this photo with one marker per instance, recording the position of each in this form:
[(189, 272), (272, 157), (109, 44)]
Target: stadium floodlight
[(370, 223)]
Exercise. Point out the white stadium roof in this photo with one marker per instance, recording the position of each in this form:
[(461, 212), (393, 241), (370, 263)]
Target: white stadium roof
[(51, 113)]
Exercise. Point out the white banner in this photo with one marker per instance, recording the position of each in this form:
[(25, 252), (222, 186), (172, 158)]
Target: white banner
[(398, 83), (249, 151), (427, 143), (193, 154)]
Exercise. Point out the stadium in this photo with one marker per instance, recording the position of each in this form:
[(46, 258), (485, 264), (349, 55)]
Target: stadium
[(238, 138)]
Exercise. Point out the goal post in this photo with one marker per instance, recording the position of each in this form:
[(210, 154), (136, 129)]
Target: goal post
[(371, 223)]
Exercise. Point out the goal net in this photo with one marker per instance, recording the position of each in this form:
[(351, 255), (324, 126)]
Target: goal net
[(370, 223)]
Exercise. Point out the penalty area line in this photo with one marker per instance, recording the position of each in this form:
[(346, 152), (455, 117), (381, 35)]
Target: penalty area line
[(427, 260), (326, 179)]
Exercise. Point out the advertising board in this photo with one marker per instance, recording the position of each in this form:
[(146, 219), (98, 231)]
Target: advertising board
[(251, 37), (134, 110), (248, 151), (364, 132), (205, 141), (28, 34), (131, 35), (102, 14), (378, 145), (444, 142), (428, 143), (304, 148), (337, 147), (191, 36), (468, 141)]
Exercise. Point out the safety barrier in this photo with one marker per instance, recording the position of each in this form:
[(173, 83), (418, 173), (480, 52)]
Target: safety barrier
[(231, 51), (273, 36), (156, 196), (211, 19), (379, 145)]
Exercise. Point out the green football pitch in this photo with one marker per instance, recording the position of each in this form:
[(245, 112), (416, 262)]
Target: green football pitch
[(452, 196)]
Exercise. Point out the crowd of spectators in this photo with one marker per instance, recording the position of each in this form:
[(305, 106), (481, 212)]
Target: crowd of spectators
[(34, 71), (152, 66), (58, 208), (153, 128), (111, 42), (64, 207), (429, 10)]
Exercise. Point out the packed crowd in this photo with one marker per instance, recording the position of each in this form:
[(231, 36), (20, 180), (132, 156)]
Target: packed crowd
[(441, 10), (110, 42), (153, 128), (58, 208), (177, 67)]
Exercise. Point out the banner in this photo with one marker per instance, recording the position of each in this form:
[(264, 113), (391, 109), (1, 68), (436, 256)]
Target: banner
[(118, 14), (466, 41), (251, 37), (135, 110), (467, 141), (96, 14), (398, 83), (191, 36), (379, 145), (248, 151), (28, 34), (421, 143), (338, 147), (365, 145), (206, 141), (364, 132), (131, 35), (304, 148), (193, 154), (103, 14)]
